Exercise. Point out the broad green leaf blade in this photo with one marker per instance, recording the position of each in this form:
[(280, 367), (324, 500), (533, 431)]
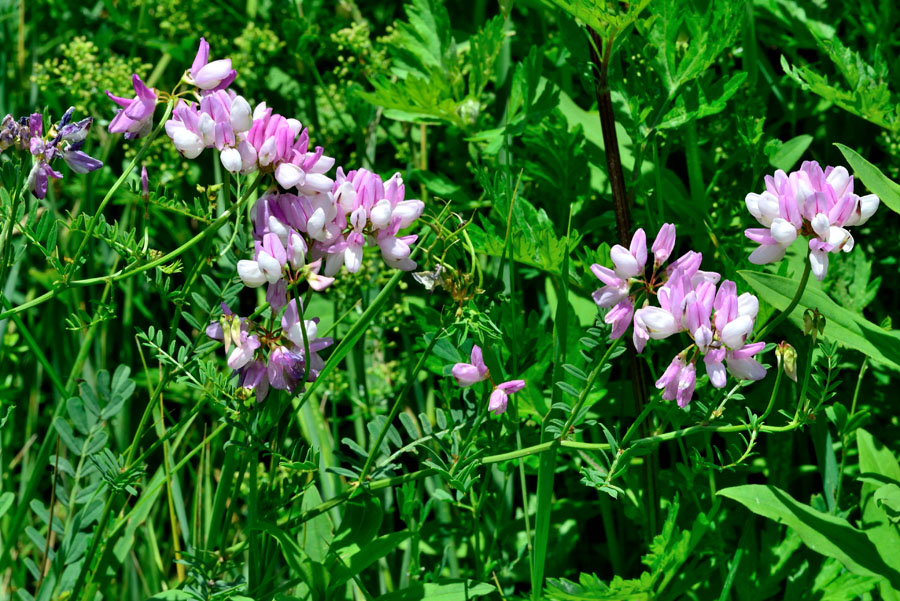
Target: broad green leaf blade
[(447, 590), (875, 458), (881, 185), (850, 329), (316, 534), (6, 501), (360, 523), (351, 561), (821, 532)]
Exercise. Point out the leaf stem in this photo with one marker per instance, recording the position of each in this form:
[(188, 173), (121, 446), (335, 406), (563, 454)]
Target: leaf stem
[(792, 305)]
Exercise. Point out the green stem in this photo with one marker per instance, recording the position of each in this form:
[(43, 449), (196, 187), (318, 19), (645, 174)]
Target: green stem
[(806, 374), (649, 440), (370, 460), (771, 404), (694, 166), (792, 305), (844, 437), (588, 385)]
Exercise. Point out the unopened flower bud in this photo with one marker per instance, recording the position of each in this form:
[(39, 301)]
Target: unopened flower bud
[(787, 359)]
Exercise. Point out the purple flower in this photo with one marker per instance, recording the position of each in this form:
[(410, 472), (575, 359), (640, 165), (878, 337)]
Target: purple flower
[(39, 178), (254, 376), (145, 183), (614, 290), (500, 396), (668, 382), (271, 257), (664, 243), (136, 117), (210, 76), (467, 374), (630, 262), (687, 380), (285, 369), (810, 202), (619, 317), (629, 267), (79, 162), (244, 352)]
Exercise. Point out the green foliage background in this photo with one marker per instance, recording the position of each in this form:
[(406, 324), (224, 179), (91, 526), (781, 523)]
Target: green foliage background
[(489, 112)]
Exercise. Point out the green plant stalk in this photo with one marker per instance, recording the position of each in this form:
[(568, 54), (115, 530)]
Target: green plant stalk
[(395, 410), (253, 551), (641, 442), (845, 439), (694, 165), (547, 465), (807, 372), (633, 428), (473, 431), (791, 306), (290, 522), (223, 490), (129, 457), (589, 384), (122, 523), (775, 389), (38, 352)]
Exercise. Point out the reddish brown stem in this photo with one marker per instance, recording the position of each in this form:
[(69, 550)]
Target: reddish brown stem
[(623, 229), (610, 139)]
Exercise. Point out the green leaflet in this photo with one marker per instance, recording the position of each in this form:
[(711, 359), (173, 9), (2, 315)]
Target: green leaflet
[(876, 181), (826, 534), (850, 329), (788, 153)]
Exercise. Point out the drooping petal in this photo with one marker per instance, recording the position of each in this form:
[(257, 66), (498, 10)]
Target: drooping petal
[(466, 374), (498, 401), (818, 259), (250, 273), (512, 386), (769, 253)]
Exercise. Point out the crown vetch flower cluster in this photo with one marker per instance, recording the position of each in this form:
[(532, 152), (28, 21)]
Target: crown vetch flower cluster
[(65, 140), (262, 358), (717, 320), (467, 374), (809, 202), (295, 233), (305, 229)]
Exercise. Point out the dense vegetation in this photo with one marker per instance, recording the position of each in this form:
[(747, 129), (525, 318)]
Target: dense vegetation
[(449, 300)]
